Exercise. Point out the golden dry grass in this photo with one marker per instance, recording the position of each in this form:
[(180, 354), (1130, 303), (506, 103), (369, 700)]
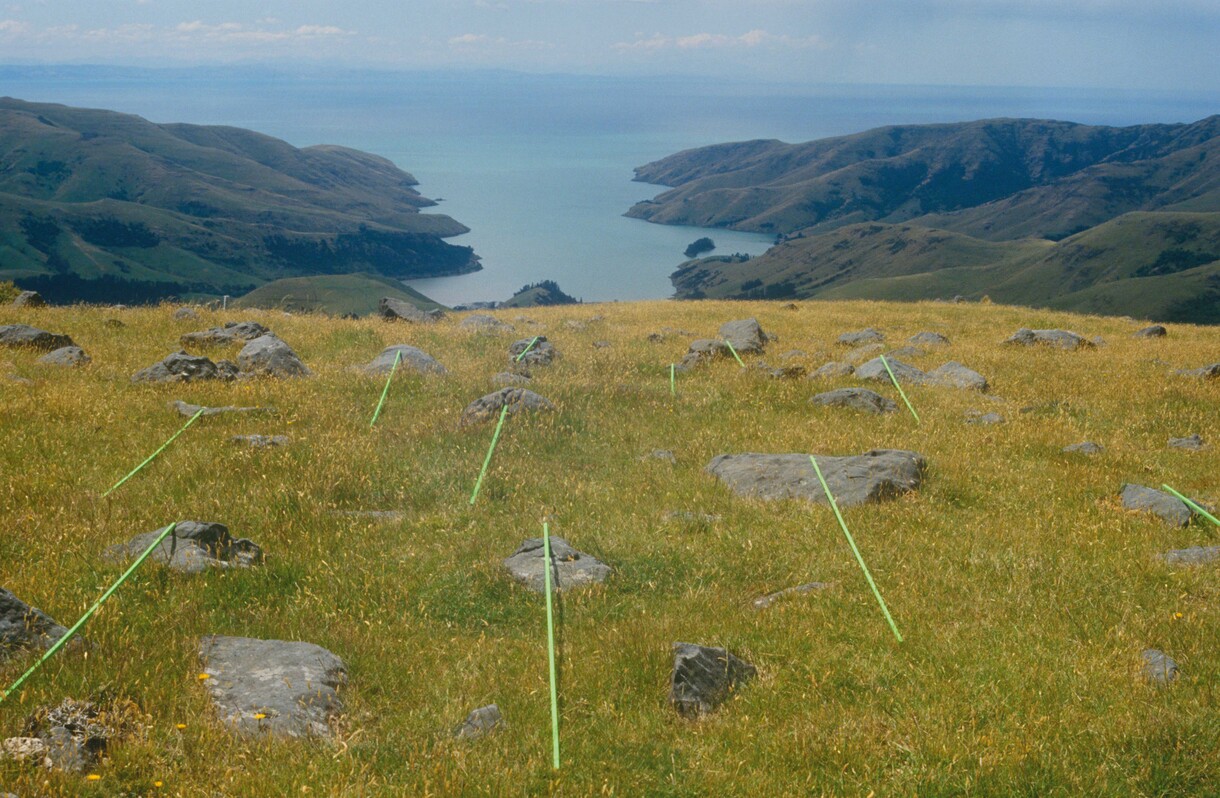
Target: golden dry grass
[(1024, 592)]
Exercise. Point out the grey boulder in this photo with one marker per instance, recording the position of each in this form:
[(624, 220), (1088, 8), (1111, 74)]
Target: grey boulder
[(186, 409), (396, 309), (865, 336), (1211, 372), (23, 626), (1085, 447), (929, 339), (277, 687), (1158, 669), (1195, 555), (66, 356), (570, 569), (1154, 331), (955, 375), (185, 314), (745, 335), (1192, 443), (479, 723), (230, 333), (25, 335), (1064, 339), (833, 369), (415, 359), (268, 356), (705, 677), (856, 399), (532, 351), (515, 399), (481, 322), (181, 367), (192, 548), (509, 378), (873, 476), (29, 299), (1166, 506), (875, 370)]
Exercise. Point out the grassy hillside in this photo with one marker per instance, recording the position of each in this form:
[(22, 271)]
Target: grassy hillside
[(94, 202), (1025, 594), (1159, 265), (336, 294)]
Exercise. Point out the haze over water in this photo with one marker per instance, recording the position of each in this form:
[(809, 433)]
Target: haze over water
[(540, 167)]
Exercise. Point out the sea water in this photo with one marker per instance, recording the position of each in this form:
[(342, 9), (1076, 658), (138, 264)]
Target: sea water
[(540, 166)]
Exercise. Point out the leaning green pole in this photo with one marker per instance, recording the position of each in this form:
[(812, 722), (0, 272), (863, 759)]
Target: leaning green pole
[(901, 393), (1192, 505), (89, 613), (673, 388), (526, 349), (830, 498), (386, 390), (734, 351), (550, 646), (487, 460), (136, 470)]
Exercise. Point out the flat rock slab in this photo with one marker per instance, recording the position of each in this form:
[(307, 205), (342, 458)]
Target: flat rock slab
[(833, 369), (416, 360), (393, 309), (875, 370), (541, 353), (261, 441), (277, 687), (870, 477), (516, 399), (509, 378), (1211, 372), (745, 335), (481, 322), (1063, 339), (29, 299), (571, 568), (1166, 506), (762, 602), (187, 409), (66, 357), (983, 419), (705, 677), (856, 399), (1195, 555), (929, 339), (268, 356), (23, 626), (1158, 667), (955, 375), (193, 548), (1154, 331), (230, 333), (34, 338), (1085, 447), (1192, 443), (479, 723), (865, 336), (181, 367)]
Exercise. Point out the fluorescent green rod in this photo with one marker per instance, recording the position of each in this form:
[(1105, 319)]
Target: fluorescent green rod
[(1192, 505), (154, 454), (901, 393), (550, 646), (673, 389), (734, 351), (386, 390), (526, 349), (830, 498), (89, 613), (487, 460)]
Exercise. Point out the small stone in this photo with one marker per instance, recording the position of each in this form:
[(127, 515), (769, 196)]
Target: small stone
[(602, 344), (188, 410), (704, 677), (516, 399), (793, 354), (268, 356), (66, 356), (393, 309), (688, 517), (1159, 668), (482, 323), (260, 441), (863, 353), (784, 372), (1155, 331), (537, 352), (1063, 339), (865, 336), (29, 299), (762, 602), (929, 339), (186, 314), (1087, 447), (113, 324), (984, 419), (479, 722), (27, 336), (661, 454), (856, 399), (1191, 443), (1166, 506), (23, 626), (875, 370), (24, 749), (571, 568), (905, 352), (1195, 555), (1211, 372), (179, 367), (230, 333), (510, 378), (409, 357), (192, 548), (955, 375), (385, 516), (832, 370)]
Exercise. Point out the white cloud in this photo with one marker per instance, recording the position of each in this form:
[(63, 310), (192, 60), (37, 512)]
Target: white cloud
[(469, 41), (13, 27), (698, 41)]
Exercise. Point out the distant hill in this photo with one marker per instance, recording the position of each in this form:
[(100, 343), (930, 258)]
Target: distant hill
[(99, 205), (546, 292), (973, 208), (336, 294)]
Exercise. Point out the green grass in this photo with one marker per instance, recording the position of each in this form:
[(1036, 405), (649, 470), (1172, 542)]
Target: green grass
[(1025, 594)]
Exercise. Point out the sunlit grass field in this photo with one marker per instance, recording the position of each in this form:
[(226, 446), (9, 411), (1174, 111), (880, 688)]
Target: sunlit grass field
[(1024, 592)]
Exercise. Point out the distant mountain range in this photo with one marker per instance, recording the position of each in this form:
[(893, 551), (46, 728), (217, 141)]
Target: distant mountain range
[(1096, 219), (102, 206)]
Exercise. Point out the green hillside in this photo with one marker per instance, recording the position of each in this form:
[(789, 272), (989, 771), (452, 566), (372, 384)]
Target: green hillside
[(335, 294), (110, 207)]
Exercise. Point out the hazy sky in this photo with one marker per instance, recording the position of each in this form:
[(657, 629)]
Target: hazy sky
[(1116, 43)]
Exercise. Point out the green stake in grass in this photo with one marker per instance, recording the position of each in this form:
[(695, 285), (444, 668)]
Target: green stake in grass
[(1192, 505), (673, 389), (154, 454), (386, 390), (901, 393), (734, 351), (487, 460), (550, 645), (61, 642), (830, 498), (526, 349)]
